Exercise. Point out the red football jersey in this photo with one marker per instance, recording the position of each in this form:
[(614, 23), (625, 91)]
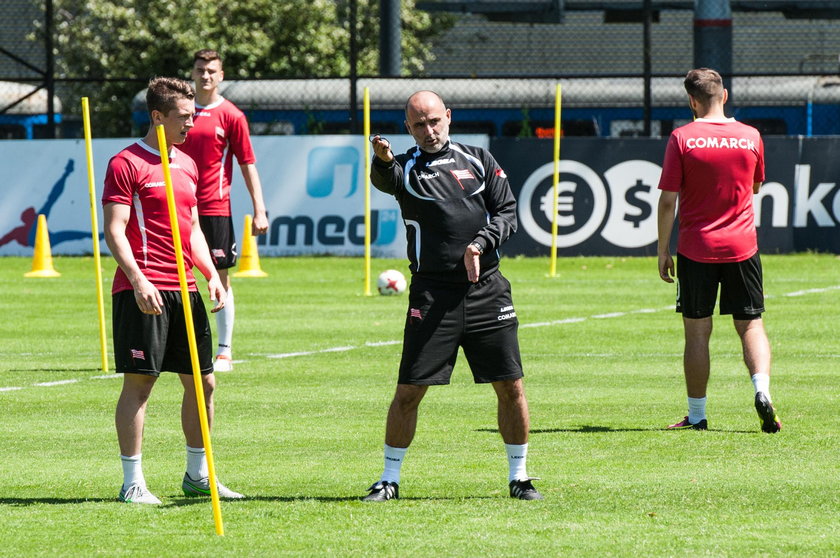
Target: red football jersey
[(135, 178), (713, 165), (220, 132)]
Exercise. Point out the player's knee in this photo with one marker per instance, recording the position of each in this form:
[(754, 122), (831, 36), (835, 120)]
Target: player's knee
[(408, 397), (510, 391)]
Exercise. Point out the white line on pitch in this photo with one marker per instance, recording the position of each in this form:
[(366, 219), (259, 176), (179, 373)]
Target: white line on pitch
[(812, 291), (306, 353), (396, 342), (57, 383)]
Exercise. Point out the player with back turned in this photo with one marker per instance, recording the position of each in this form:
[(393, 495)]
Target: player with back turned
[(220, 132), (713, 166), (458, 209)]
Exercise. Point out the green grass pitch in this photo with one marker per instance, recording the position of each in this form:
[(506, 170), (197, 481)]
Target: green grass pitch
[(300, 424)]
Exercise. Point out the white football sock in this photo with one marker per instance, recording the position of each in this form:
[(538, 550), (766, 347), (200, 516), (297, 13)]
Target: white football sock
[(393, 462), (517, 455), (132, 466), (761, 382), (197, 463), (224, 325), (696, 409)]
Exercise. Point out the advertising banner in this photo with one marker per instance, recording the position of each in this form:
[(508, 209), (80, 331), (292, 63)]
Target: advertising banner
[(314, 189), (607, 195)]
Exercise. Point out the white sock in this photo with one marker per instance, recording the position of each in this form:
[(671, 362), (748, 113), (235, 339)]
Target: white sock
[(517, 455), (393, 462), (761, 382), (197, 463), (224, 325), (132, 470), (696, 409)]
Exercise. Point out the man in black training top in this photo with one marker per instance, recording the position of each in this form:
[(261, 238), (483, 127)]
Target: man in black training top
[(458, 209)]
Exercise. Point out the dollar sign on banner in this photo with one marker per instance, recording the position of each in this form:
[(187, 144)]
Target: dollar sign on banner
[(631, 197)]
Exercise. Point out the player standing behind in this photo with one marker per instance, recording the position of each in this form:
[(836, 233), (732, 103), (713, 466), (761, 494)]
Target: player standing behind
[(148, 316), (458, 209), (220, 132), (713, 166)]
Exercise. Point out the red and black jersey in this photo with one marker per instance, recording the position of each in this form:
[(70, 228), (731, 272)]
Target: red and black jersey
[(713, 164), (449, 199), (220, 132), (135, 178)]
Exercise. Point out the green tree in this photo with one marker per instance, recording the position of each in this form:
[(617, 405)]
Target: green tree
[(111, 41)]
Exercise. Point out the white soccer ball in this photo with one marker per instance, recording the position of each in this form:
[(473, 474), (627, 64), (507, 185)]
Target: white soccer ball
[(391, 282)]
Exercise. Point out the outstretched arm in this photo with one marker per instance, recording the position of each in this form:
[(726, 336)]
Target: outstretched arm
[(385, 173)]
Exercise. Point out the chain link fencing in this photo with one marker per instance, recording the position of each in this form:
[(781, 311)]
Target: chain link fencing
[(499, 78)]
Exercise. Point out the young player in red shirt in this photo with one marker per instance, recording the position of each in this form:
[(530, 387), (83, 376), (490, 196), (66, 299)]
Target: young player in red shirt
[(148, 316), (220, 132), (713, 166)]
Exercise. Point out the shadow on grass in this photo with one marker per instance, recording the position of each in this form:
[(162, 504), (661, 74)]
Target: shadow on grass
[(181, 502), (587, 429), (52, 501), (593, 429), (177, 502), (59, 369)]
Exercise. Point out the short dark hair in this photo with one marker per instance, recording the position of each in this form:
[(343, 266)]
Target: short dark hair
[(704, 84), (164, 93), (207, 55)]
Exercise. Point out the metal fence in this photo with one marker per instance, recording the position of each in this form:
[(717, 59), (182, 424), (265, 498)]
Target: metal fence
[(596, 59)]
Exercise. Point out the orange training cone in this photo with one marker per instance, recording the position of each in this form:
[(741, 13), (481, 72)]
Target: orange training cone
[(42, 265), (249, 261)]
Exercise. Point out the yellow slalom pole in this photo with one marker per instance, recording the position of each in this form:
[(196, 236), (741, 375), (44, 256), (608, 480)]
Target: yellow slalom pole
[(557, 130), (366, 111), (185, 297), (94, 223)]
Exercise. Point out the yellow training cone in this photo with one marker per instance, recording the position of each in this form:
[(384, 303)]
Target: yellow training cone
[(42, 265), (249, 261)]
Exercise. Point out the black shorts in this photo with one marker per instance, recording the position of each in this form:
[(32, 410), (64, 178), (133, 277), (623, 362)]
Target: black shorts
[(478, 317), (741, 290), (149, 344), (220, 239)]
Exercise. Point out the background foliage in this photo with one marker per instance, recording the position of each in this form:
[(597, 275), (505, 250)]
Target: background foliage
[(113, 40)]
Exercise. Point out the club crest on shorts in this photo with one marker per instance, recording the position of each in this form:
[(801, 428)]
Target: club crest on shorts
[(414, 315)]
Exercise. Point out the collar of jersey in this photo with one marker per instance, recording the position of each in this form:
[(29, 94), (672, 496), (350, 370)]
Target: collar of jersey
[(211, 105), (441, 151), (151, 149), (715, 120)]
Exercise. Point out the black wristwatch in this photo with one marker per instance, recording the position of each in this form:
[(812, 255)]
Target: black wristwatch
[(478, 246)]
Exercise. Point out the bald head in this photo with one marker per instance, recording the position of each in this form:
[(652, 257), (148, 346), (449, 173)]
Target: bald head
[(427, 120)]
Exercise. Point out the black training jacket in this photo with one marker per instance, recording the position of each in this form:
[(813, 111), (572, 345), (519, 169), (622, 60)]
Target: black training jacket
[(448, 200)]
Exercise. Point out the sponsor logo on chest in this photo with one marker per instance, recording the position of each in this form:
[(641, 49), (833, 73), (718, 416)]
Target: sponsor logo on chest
[(437, 162)]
